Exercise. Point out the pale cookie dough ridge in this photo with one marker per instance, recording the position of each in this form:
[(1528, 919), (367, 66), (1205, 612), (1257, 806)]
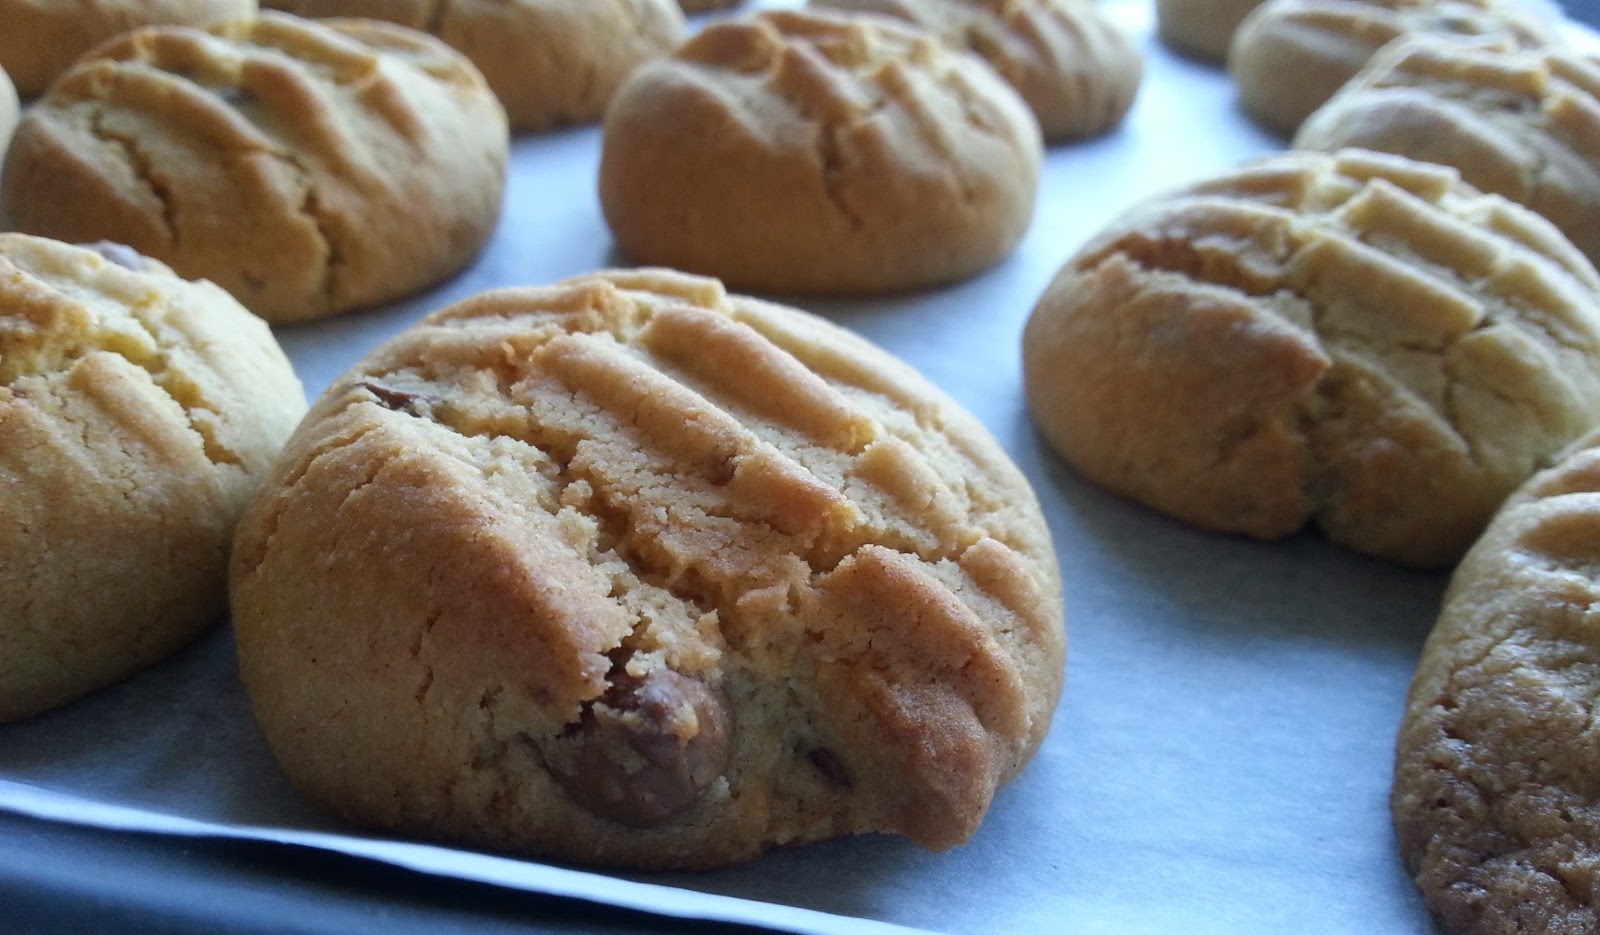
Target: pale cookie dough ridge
[(1521, 123)]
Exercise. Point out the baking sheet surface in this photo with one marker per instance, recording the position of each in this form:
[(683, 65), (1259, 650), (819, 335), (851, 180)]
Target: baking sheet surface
[(1220, 761)]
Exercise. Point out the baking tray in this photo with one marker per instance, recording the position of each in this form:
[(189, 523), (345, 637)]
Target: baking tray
[(1222, 754)]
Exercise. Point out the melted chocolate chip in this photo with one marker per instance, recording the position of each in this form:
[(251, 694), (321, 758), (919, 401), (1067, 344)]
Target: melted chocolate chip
[(830, 766), (389, 397), (648, 749)]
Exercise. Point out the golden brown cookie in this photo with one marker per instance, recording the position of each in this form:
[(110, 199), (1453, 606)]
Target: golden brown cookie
[(551, 62), (1520, 123), (1077, 71), (306, 167), (1497, 778), (1353, 340), (39, 39), (1202, 28), (138, 411), (631, 571), (814, 152), (1290, 56)]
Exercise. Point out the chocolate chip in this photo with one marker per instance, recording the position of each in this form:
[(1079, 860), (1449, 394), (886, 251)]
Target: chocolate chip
[(647, 750), (719, 470), (389, 397), (830, 766)]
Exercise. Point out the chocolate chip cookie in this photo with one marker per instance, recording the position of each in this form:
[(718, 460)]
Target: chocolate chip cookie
[(809, 151), (1496, 800), (138, 412), (631, 571), (1353, 340), (307, 167)]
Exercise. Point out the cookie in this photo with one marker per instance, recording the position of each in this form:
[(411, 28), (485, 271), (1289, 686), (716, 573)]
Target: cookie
[(1323, 43), (1077, 72), (1202, 29), (551, 62), (9, 108), (1495, 799), (42, 38), (631, 571), (1519, 123), (138, 412), (1356, 341), (813, 152), (306, 167)]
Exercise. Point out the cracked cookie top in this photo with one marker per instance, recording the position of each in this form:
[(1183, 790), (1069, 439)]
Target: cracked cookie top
[(1355, 340), (1523, 123), (1495, 800), (306, 167), (550, 62), (1077, 72), (42, 38), (632, 571), (806, 151), (1290, 56), (138, 412)]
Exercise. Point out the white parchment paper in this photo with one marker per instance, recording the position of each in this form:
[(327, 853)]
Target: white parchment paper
[(1221, 758)]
